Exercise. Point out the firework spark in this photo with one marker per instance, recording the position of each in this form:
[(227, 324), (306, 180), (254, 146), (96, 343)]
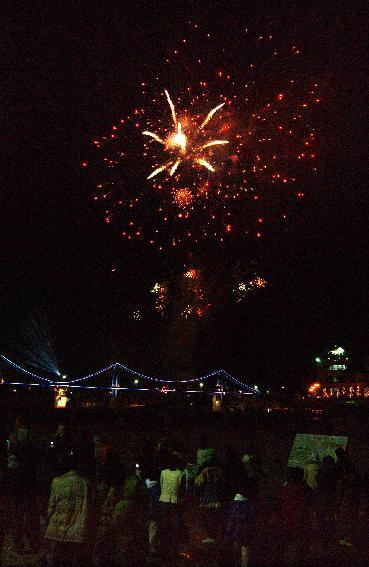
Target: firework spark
[(178, 142), (244, 288), (196, 293), (161, 292)]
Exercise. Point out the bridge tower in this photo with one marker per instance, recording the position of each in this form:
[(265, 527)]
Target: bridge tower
[(114, 383)]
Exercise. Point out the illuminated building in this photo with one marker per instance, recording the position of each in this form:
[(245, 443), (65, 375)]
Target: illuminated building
[(337, 361), (335, 379)]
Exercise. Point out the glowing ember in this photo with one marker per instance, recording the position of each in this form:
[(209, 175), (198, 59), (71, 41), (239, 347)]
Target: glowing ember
[(192, 273), (245, 287), (258, 282)]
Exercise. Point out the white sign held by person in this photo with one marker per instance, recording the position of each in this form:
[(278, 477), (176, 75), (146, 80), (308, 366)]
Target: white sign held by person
[(308, 448)]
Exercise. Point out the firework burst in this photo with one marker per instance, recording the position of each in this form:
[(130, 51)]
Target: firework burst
[(195, 293), (243, 288), (225, 155)]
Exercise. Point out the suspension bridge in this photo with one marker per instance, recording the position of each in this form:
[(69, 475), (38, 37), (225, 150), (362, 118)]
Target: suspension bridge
[(117, 377)]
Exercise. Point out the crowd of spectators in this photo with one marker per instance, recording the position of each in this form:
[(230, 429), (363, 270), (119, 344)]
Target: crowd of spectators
[(79, 502)]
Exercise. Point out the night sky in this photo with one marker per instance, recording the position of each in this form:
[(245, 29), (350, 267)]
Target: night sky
[(67, 74)]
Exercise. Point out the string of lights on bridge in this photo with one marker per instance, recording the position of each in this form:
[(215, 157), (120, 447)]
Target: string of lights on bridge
[(76, 382)]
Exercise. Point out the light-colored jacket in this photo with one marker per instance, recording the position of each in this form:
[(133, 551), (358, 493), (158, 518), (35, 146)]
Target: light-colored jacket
[(68, 508), (170, 483)]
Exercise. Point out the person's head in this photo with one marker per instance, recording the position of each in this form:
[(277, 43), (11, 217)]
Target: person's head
[(18, 421), (212, 461), (77, 460), (149, 444), (163, 445), (340, 453), (174, 461), (112, 471), (328, 461), (82, 460), (65, 462), (204, 441), (21, 421), (295, 474)]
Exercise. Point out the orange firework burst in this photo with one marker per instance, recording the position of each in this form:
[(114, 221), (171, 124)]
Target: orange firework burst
[(183, 197), (258, 282), (191, 273), (218, 157)]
